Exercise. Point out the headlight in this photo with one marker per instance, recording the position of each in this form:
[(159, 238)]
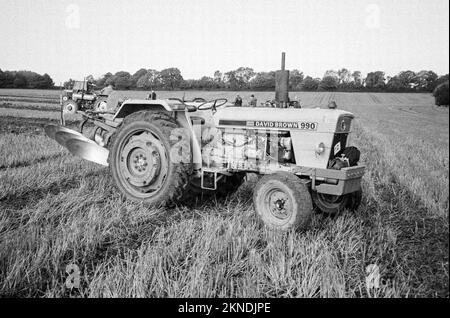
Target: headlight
[(320, 149)]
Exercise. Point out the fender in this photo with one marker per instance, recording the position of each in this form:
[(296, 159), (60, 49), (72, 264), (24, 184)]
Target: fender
[(134, 105)]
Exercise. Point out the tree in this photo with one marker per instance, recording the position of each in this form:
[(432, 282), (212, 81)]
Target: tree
[(295, 79), (218, 76), (231, 80), (407, 78), (394, 84), (149, 81), (102, 82), (426, 80), (243, 76), (171, 78), (2, 79), (441, 94), (69, 84), (375, 80), (357, 79), (263, 81), (122, 80), (9, 79), (344, 76), (136, 76), (46, 81), (331, 73), (310, 84), (207, 83), (145, 81), (20, 81), (442, 79), (329, 83)]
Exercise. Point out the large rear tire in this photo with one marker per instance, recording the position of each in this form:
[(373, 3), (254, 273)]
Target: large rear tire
[(142, 161), (283, 202)]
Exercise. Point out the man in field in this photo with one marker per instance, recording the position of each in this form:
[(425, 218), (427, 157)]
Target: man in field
[(253, 101), (238, 101), (152, 95)]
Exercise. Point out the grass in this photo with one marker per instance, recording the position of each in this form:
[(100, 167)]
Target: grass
[(56, 210)]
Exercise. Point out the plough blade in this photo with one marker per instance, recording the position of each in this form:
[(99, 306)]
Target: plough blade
[(51, 131), (89, 151), (78, 144)]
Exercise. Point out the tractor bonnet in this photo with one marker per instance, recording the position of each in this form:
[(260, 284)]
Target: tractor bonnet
[(310, 119)]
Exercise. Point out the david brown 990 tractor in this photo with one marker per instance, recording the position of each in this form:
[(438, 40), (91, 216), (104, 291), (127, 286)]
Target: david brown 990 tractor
[(169, 151)]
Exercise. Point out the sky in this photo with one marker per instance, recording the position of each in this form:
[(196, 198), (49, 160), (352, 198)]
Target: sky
[(75, 38)]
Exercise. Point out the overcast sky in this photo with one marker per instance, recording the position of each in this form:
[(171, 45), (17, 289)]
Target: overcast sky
[(76, 38)]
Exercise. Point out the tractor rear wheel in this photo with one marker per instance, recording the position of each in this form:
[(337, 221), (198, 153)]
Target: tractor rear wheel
[(142, 159), (283, 202), (70, 107)]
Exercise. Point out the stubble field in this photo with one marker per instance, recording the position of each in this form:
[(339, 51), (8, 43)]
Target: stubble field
[(57, 210)]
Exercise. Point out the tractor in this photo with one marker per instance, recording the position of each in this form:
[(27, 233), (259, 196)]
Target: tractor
[(82, 97), (166, 152)]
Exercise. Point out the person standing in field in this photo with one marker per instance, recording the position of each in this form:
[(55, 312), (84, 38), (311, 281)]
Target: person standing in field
[(152, 95), (253, 101), (238, 101)]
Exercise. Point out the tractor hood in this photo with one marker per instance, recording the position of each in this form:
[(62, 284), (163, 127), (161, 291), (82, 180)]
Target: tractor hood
[(298, 119)]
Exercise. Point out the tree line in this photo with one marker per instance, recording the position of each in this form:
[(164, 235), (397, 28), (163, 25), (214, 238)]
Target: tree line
[(25, 79), (245, 78)]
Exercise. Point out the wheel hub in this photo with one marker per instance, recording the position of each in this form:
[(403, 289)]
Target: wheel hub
[(279, 204), (141, 161)]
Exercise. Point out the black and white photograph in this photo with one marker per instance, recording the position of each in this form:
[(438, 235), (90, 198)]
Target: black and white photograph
[(224, 155)]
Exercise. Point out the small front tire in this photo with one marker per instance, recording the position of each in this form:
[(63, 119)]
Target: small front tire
[(283, 202)]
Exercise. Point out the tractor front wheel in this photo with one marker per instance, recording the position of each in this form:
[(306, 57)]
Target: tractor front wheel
[(283, 202)]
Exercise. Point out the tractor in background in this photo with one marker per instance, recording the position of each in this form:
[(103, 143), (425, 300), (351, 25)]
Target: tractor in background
[(82, 97)]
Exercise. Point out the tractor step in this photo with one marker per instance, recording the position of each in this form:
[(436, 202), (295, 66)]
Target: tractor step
[(214, 174)]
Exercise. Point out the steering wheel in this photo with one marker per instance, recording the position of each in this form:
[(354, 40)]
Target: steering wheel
[(212, 104)]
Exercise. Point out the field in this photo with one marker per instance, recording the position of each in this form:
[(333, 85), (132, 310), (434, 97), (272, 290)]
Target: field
[(57, 210)]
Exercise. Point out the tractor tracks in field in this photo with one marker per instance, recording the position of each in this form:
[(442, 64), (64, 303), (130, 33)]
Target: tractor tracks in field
[(21, 125), (14, 203), (23, 164), (30, 107), (420, 234)]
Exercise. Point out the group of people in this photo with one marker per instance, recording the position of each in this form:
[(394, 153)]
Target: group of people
[(252, 103)]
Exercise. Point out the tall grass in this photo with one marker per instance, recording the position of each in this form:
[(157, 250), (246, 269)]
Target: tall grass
[(61, 210)]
